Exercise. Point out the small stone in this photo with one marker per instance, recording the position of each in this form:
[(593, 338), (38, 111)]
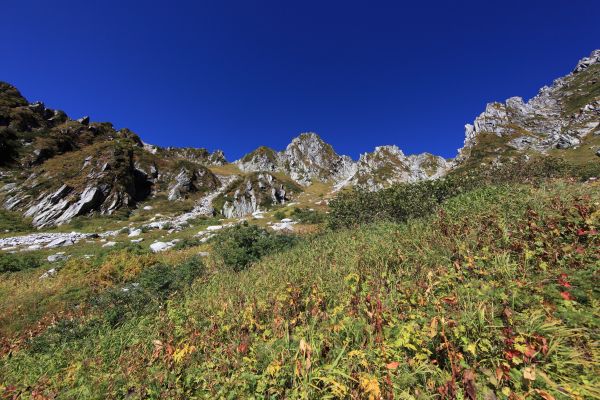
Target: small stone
[(160, 246), (60, 242), (135, 232), (57, 257), (109, 244), (206, 238), (48, 274)]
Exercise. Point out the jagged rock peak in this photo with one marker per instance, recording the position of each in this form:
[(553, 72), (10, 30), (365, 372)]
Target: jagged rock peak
[(559, 116), (585, 62), (262, 159), (388, 165), (390, 149), (307, 158)]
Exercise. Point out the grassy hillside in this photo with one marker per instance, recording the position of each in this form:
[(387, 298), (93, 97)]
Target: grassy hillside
[(492, 296)]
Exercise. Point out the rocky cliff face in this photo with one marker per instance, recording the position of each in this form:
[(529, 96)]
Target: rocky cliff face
[(55, 168), (560, 116), (309, 158), (388, 165), (261, 159), (256, 191), (192, 179), (306, 159), (196, 155)]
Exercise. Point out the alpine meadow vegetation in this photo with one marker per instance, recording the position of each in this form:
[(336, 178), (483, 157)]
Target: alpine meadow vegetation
[(491, 294)]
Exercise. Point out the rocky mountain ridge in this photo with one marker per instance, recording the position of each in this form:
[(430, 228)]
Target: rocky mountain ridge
[(53, 168), (560, 116), (308, 158)]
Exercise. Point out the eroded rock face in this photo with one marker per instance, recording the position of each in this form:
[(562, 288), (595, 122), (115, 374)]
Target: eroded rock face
[(388, 165), (259, 190), (261, 159), (60, 207), (306, 159), (103, 183), (585, 62), (559, 116), (196, 155), (309, 158), (191, 181), (65, 168)]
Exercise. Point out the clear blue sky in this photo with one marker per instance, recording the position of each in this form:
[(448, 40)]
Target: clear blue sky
[(238, 74)]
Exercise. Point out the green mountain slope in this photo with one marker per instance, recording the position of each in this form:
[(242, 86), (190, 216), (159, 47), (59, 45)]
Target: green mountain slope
[(493, 296)]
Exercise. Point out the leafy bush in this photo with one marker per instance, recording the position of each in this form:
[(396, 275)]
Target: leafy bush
[(307, 216), (12, 221), (18, 262), (153, 286), (591, 170), (401, 202), (242, 245), (279, 214), (8, 146), (397, 203), (186, 243), (160, 280)]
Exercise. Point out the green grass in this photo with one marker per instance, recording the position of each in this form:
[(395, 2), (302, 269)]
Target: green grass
[(493, 295), (581, 90), (11, 222)]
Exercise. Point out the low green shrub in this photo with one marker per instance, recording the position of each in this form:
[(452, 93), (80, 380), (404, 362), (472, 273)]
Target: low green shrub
[(186, 243), (242, 245), (152, 287), (279, 214), (397, 203), (18, 262), (161, 280), (401, 202), (11, 221), (307, 216)]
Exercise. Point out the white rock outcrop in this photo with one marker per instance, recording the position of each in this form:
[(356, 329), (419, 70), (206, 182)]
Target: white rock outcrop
[(542, 123), (388, 165), (306, 159)]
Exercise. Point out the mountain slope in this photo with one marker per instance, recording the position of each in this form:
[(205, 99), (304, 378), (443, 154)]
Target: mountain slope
[(55, 168), (565, 115), (306, 159), (491, 297)]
